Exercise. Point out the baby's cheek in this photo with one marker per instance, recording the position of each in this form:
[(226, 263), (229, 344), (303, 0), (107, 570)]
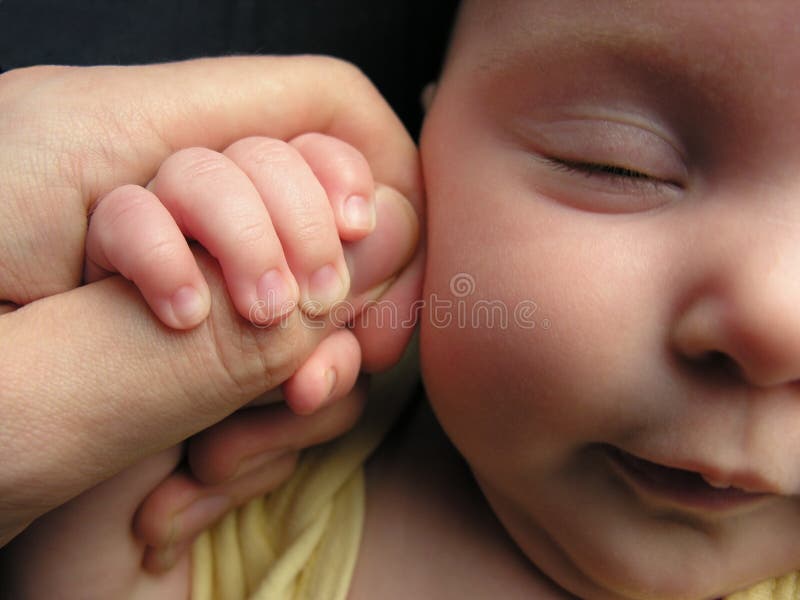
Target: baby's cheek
[(480, 381)]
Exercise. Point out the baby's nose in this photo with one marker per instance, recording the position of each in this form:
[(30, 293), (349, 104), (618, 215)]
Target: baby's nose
[(747, 311)]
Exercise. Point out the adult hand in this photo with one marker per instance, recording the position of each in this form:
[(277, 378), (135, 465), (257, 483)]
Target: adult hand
[(90, 381)]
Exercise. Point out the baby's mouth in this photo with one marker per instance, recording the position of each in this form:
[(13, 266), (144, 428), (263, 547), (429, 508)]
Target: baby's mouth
[(680, 487)]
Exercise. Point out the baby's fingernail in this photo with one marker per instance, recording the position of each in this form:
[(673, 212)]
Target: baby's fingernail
[(275, 295), (188, 306), (359, 213), (324, 288), (199, 515)]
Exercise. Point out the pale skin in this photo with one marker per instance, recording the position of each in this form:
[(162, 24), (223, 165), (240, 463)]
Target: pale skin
[(71, 136), (631, 168), (255, 206), (146, 554)]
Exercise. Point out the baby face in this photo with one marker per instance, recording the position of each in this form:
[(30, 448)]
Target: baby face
[(623, 180)]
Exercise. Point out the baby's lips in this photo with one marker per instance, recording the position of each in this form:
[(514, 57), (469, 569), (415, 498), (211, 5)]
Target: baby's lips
[(376, 260)]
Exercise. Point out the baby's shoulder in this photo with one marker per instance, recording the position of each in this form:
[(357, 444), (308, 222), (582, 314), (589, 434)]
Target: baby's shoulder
[(428, 531)]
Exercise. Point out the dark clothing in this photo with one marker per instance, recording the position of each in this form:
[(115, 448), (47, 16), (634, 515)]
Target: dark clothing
[(397, 43)]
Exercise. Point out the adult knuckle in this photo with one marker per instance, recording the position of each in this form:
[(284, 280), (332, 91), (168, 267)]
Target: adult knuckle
[(16, 81), (341, 68), (251, 360), (46, 259), (234, 358)]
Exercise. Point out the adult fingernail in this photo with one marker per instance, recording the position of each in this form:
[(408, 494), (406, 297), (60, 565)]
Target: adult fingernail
[(159, 560), (359, 213), (199, 515), (275, 297), (324, 288), (165, 557), (380, 256), (330, 378), (188, 306)]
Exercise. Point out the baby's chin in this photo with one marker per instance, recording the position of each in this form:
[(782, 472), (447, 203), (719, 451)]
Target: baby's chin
[(621, 566)]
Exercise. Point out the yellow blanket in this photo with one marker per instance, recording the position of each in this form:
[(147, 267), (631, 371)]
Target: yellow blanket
[(781, 588), (301, 541)]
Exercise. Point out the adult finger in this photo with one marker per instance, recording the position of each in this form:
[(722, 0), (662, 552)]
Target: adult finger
[(112, 385), (386, 282), (87, 536), (180, 508), (247, 455), (249, 438), (327, 375)]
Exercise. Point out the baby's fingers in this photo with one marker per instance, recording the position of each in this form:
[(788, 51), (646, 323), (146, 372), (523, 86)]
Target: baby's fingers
[(214, 202), (131, 233), (302, 216), (347, 180)]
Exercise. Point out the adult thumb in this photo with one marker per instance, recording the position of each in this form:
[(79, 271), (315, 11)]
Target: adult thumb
[(111, 385)]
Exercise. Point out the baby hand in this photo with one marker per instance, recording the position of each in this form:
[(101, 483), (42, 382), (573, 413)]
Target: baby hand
[(271, 212)]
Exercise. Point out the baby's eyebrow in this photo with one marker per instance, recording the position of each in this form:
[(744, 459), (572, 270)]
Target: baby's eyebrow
[(646, 46), (645, 49)]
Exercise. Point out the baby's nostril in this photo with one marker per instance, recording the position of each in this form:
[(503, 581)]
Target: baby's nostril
[(713, 365), (715, 362)]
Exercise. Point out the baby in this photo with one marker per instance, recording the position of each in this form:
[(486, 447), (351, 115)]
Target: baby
[(610, 230)]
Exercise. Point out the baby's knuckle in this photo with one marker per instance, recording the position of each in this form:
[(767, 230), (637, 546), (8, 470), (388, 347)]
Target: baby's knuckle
[(252, 234), (350, 170), (157, 253), (120, 207), (264, 152), (310, 229), (195, 163)]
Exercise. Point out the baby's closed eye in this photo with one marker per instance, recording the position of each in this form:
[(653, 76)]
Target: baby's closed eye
[(604, 165)]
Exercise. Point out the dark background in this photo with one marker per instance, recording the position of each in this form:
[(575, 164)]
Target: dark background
[(397, 43)]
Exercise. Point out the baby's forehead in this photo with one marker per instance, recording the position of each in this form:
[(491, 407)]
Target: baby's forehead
[(683, 29), (723, 55)]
